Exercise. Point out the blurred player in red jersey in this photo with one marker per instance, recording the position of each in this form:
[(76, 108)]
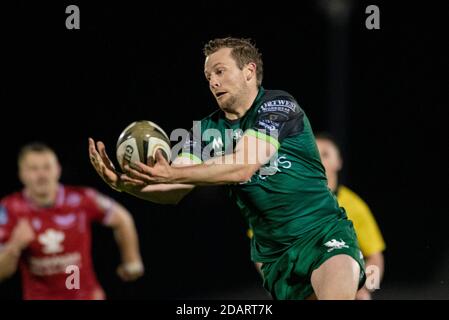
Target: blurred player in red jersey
[(45, 230)]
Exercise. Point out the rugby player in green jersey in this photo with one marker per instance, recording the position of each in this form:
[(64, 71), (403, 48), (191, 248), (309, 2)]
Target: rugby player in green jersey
[(260, 144)]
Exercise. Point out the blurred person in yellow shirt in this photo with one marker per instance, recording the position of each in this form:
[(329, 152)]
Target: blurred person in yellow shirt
[(368, 233)]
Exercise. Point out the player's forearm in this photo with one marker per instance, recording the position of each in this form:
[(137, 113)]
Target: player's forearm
[(9, 259), (216, 171), (126, 237), (163, 193)]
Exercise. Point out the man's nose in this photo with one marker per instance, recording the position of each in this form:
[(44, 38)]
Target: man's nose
[(213, 82), (42, 174)]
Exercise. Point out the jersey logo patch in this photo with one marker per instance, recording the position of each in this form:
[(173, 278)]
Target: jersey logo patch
[(335, 244), (65, 220), (51, 241), (73, 199)]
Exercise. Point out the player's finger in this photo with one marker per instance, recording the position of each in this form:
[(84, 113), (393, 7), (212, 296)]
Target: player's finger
[(160, 158), (132, 173), (137, 175), (134, 276), (143, 167), (93, 153), (91, 144), (92, 150), (102, 151), (128, 181), (121, 273), (106, 160), (96, 163), (126, 276), (109, 173), (104, 156)]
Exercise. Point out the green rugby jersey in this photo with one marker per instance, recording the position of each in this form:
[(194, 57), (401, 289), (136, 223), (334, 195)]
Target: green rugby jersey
[(289, 196)]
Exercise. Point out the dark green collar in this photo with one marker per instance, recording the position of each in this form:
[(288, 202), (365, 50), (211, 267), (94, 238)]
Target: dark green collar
[(258, 97)]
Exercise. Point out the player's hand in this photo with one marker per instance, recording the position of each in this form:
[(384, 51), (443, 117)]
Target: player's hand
[(130, 271), (106, 169), (22, 234), (98, 294), (161, 172), (363, 294), (103, 165)]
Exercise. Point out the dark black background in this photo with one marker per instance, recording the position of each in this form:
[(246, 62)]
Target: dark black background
[(129, 61)]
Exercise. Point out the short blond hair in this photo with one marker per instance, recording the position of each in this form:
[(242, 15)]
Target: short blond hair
[(243, 52)]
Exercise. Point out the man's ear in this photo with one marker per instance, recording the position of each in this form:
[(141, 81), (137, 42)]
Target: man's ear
[(250, 71), (340, 163), (59, 168), (19, 174)]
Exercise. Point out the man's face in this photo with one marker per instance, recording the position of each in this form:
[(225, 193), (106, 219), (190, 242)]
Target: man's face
[(330, 156), (227, 82), (39, 172)]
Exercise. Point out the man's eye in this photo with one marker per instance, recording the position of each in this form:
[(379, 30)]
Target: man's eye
[(219, 72)]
